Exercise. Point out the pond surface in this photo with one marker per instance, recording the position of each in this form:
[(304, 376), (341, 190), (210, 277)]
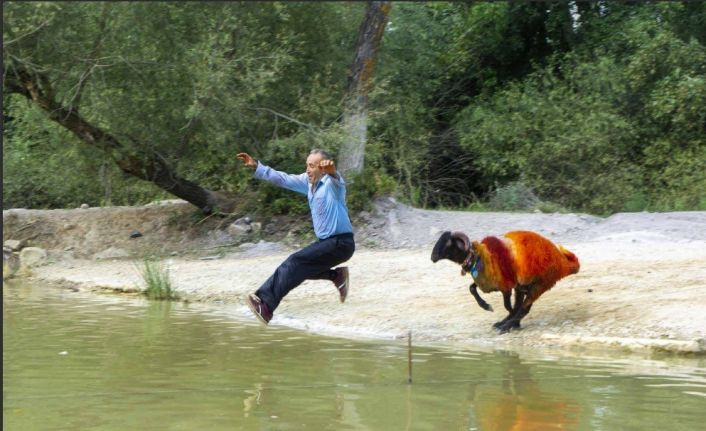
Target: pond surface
[(81, 361)]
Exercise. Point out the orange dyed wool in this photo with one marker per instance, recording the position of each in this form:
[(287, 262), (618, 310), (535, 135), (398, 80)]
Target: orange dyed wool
[(525, 258), (498, 262), (537, 259)]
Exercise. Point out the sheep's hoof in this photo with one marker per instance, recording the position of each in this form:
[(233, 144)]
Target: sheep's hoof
[(503, 327), (499, 324)]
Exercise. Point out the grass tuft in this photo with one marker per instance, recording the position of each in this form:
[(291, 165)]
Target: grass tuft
[(156, 280)]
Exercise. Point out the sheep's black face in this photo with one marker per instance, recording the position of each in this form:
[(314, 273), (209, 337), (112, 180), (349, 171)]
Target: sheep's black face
[(451, 246), (442, 243)]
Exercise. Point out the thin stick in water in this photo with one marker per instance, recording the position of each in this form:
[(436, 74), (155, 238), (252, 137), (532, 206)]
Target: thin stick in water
[(409, 357)]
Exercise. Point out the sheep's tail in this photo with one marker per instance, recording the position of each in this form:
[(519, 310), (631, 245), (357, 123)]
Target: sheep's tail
[(571, 259)]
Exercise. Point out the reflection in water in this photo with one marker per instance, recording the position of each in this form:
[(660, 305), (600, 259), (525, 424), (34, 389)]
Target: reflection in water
[(134, 364), (519, 404), (251, 402)]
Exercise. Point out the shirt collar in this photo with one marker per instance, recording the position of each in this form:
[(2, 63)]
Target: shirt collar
[(324, 179)]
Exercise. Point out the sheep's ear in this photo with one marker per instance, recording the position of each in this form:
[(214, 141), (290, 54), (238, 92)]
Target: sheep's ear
[(461, 241), (445, 239)]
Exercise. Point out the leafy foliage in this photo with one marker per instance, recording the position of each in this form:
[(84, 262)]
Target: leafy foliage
[(592, 106), (44, 166)]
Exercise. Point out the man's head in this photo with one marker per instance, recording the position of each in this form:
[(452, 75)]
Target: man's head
[(313, 170)]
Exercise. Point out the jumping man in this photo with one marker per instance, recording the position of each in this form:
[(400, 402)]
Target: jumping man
[(326, 192)]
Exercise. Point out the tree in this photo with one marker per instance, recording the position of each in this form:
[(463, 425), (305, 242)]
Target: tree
[(170, 91), (147, 164), (110, 75), (355, 118)]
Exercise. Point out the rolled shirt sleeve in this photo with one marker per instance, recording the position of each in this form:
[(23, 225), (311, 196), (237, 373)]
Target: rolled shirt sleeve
[(296, 183)]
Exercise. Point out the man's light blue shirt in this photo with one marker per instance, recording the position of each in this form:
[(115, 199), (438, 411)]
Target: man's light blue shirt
[(327, 198)]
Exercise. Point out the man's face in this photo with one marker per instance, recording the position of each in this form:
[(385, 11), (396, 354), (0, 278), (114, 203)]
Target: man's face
[(313, 171)]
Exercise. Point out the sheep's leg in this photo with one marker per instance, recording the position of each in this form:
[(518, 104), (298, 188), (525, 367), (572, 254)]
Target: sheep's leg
[(506, 325), (532, 296), (484, 305), (522, 311), (507, 297), (506, 301), (514, 321), (519, 298)]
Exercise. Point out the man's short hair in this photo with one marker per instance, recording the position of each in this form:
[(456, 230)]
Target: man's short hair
[(324, 154)]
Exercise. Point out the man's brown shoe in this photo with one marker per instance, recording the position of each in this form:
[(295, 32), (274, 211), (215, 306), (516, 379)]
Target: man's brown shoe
[(342, 282), (259, 308)]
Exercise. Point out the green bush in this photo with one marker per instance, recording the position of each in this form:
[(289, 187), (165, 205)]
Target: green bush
[(563, 137), (363, 188), (515, 196)]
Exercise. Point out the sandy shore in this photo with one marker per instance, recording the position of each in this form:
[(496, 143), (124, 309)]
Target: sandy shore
[(635, 292), (641, 287)]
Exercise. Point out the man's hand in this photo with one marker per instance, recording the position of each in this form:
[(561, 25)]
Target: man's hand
[(328, 167), (248, 161)]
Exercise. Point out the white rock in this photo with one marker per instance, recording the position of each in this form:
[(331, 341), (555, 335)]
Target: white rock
[(33, 256), (13, 244), (111, 253), (10, 263), (243, 221), (238, 230)]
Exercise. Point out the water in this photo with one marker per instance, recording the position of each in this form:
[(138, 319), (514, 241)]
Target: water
[(78, 361)]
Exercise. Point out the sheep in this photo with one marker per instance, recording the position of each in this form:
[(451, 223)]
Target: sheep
[(521, 260)]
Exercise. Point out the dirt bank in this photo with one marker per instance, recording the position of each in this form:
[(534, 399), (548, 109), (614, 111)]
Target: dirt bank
[(641, 285)]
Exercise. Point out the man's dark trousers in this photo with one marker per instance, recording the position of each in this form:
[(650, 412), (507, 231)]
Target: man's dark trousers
[(313, 262)]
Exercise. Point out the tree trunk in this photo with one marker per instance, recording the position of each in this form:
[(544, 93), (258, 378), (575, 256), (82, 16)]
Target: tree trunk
[(142, 162), (355, 118)]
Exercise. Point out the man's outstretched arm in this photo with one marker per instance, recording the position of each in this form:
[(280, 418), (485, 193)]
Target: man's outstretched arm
[(296, 183)]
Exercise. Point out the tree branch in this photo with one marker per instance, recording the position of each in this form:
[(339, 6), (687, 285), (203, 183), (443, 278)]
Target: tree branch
[(83, 80), (150, 166), (288, 118), (29, 33)]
